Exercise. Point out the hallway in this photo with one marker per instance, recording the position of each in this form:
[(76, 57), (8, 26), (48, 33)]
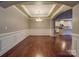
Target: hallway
[(41, 46)]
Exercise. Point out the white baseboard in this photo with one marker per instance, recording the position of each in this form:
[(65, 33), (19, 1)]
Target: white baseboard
[(9, 40)]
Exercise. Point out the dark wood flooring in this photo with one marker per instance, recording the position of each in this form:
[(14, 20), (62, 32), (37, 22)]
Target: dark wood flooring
[(43, 46)]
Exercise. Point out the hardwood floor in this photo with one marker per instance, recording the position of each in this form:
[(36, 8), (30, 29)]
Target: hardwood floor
[(44, 46)]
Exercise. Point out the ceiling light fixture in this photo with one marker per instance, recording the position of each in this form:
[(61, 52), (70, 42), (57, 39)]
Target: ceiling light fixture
[(39, 19)]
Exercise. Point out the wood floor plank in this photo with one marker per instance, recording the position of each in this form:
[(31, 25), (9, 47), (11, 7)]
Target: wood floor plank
[(44, 46)]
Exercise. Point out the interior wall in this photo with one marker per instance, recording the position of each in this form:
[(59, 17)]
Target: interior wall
[(41, 28), (76, 19), (75, 30), (12, 20), (14, 28)]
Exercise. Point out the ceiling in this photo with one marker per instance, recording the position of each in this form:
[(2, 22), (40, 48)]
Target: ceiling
[(6, 4), (43, 9), (39, 10)]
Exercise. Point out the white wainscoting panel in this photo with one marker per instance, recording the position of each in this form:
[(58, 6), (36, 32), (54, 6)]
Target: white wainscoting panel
[(75, 44), (9, 40), (41, 32)]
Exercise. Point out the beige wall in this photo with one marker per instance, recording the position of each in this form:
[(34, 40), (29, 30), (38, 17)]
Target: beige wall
[(41, 28), (75, 22), (14, 28), (45, 24), (75, 30), (12, 20)]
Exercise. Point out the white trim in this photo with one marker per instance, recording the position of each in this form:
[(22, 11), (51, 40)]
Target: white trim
[(75, 44), (69, 19), (9, 41), (5, 34), (74, 34), (26, 9), (48, 32), (38, 32), (53, 6), (58, 11), (20, 11)]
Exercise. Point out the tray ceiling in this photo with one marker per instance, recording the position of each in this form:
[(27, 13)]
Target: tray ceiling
[(39, 10)]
